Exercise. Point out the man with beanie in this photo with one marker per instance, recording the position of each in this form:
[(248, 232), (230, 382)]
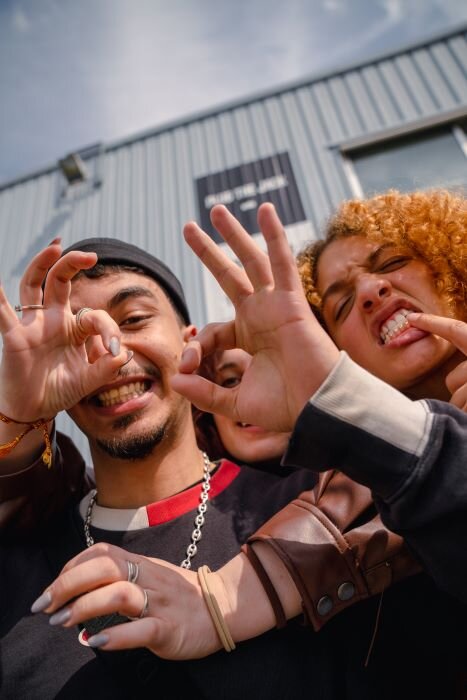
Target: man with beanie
[(102, 342)]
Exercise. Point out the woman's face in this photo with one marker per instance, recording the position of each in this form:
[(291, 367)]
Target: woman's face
[(245, 442), (367, 290)]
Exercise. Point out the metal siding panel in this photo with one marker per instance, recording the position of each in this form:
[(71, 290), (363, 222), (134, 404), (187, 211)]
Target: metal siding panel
[(451, 71), (322, 156), (346, 107), (362, 101), (382, 99), (458, 46), (441, 94), (397, 87), (307, 173), (331, 121)]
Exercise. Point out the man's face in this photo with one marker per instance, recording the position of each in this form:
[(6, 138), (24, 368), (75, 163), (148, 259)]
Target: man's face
[(245, 442), (367, 289), (140, 404)]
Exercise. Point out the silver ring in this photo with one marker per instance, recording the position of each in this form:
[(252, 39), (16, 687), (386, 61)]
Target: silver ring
[(145, 605), (144, 609), (80, 314), (133, 571), (24, 307)]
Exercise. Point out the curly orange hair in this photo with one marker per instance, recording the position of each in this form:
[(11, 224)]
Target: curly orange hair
[(431, 224)]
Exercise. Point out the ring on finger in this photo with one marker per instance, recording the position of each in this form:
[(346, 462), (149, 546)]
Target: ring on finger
[(79, 315), (133, 571), (144, 609)]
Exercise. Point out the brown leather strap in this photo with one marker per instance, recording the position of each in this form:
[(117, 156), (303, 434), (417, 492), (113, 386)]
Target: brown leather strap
[(261, 573)]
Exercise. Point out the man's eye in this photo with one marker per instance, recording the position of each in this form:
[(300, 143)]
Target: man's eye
[(133, 320), (230, 382), (394, 263)]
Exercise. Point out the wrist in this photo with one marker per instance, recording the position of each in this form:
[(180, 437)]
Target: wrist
[(242, 599)]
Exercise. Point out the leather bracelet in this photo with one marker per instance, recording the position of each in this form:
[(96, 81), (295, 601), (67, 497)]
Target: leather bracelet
[(7, 447), (214, 610), (266, 582)]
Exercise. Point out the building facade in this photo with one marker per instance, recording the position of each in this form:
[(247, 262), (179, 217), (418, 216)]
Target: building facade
[(398, 120)]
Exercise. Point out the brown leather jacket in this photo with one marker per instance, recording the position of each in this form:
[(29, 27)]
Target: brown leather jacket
[(335, 547), (331, 540)]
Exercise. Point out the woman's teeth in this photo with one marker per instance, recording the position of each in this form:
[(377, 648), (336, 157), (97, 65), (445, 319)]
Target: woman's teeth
[(122, 393), (397, 323)]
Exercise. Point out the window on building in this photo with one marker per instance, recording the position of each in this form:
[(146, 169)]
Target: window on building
[(432, 158)]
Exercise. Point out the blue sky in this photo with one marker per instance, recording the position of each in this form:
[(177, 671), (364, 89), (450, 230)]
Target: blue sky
[(75, 73)]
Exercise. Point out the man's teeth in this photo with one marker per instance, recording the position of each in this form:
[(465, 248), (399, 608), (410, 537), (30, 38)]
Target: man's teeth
[(395, 325), (121, 393)]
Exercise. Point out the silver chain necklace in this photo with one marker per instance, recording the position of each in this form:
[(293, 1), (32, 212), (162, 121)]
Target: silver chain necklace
[(192, 548)]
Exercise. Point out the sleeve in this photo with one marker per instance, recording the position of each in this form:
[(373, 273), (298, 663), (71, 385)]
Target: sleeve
[(411, 454), (34, 496), (335, 547)]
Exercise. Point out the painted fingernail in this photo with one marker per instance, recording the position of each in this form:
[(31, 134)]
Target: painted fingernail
[(98, 640), (114, 346), (56, 241), (60, 617), (42, 602)]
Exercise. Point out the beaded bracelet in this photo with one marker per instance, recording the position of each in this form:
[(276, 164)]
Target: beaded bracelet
[(34, 425), (214, 610)]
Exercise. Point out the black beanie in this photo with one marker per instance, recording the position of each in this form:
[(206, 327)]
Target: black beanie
[(113, 251)]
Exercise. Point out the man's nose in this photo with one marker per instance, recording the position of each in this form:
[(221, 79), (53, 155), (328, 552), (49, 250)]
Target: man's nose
[(95, 348), (372, 289)]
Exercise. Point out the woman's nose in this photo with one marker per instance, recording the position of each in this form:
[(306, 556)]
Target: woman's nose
[(372, 290)]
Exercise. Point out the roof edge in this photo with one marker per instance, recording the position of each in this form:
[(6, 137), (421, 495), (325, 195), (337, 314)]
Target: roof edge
[(339, 69)]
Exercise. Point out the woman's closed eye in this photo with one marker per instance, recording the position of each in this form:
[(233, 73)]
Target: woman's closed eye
[(394, 263), (343, 307)]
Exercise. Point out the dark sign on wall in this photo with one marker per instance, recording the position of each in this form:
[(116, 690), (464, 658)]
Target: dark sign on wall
[(243, 188)]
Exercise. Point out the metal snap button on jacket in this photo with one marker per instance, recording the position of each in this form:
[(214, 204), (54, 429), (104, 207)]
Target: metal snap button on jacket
[(325, 605), (346, 590)]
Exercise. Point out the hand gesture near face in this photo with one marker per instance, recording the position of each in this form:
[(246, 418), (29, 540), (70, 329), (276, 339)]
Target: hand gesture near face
[(292, 354), (44, 367), (456, 332)]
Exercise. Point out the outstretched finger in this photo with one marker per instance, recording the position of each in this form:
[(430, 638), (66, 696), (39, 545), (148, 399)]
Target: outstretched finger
[(255, 261), (147, 632), (232, 279), (30, 289), (206, 395), (448, 328), (58, 282), (282, 261)]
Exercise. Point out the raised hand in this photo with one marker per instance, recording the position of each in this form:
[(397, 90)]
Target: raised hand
[(456, 332), (292, 354), (44, 367)]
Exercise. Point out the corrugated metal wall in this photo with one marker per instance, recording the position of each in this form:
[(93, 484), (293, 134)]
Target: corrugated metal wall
[(148, 190)]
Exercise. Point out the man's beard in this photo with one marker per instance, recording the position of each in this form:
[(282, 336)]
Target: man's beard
[(134, 447)]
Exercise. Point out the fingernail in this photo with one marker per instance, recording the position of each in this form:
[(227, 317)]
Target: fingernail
[(42, 602), (56, 241), (413, 315), (114, 346), (60, 617), (98, 640)]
